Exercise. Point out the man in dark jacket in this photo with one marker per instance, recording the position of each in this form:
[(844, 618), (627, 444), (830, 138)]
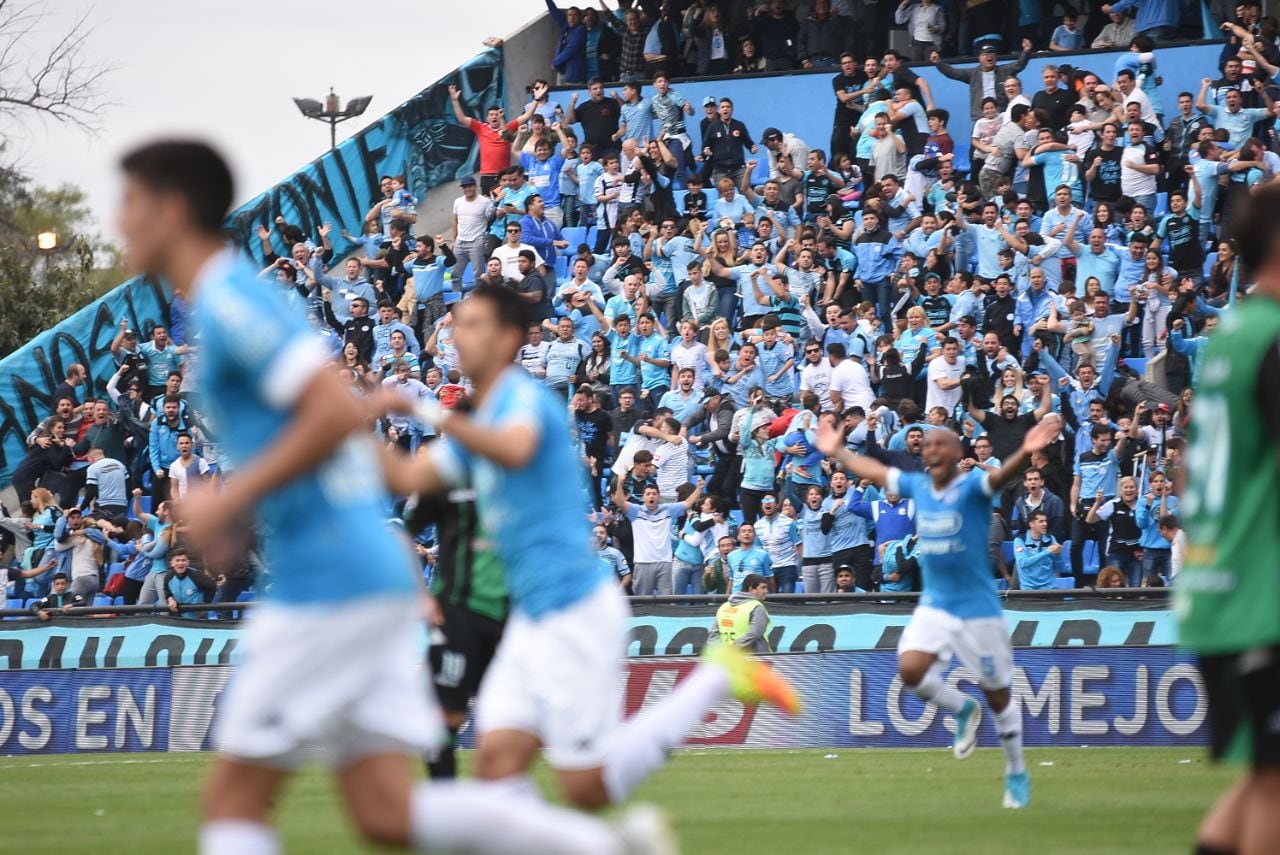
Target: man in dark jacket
[(717, 411)]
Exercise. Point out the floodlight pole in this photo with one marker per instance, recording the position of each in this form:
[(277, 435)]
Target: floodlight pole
[(329, 111)]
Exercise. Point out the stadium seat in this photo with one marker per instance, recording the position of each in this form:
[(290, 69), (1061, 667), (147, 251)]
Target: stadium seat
[(705, 471), (1006, 549), (1136, 364), (735, 517), (678, 196), (1066, 555), (118, 601), (101, 600), (1002, 584), (562, 267), (247, 597), (1064, 582), (574, 235), (1089, 555), (13, 604), (1209, 260), (590, 239), (1162, 204)]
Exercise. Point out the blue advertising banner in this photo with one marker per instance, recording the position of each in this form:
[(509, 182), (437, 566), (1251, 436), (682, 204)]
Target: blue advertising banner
[(1069, 697), (59, 712), (125, 643)]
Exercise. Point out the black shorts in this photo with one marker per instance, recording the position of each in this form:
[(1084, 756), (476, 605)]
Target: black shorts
[(1244, 705), (460, 658)]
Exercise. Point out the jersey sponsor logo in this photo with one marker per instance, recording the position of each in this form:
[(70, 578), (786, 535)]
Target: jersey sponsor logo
[(939, 524)]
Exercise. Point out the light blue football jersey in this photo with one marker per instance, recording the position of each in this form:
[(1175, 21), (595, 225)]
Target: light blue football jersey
[(953, 526), (256, 356), (534, 515)]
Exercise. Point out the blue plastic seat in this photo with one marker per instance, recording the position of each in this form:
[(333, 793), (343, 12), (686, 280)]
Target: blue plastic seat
[(247, 597), (562, 266), (678, 196), (1064, 582), (1162, 204), (101, 600), (1136, 364), (13, 604), (1006, 549), (1002, 584), (574, 235), (1209, 260)]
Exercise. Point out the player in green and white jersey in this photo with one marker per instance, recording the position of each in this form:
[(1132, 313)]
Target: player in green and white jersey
[(1228, 595)]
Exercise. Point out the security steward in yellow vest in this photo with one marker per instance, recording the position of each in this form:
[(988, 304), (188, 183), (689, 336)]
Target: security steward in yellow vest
[(743, 620)]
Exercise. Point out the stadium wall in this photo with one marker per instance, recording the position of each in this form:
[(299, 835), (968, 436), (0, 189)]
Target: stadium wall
[(802, 102), (1070, 697), (123, 642)]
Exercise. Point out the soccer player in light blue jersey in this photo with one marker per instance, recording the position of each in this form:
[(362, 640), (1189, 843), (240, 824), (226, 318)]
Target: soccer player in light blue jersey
[(959, 611), (552, 684), (326, 663)]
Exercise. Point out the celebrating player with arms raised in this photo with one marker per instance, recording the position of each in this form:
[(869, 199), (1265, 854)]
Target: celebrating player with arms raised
[(959, 610)]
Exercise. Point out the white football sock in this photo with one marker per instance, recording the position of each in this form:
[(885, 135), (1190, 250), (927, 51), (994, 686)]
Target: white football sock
[(643, 743), (1009, 727), (933, 688), (238, 837), (482, 819)]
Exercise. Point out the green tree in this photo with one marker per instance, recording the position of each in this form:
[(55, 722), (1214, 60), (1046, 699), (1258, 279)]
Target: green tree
[(39, 289)]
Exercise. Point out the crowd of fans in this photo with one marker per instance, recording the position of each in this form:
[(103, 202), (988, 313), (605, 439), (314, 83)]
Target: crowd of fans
[(701, 323), (687, 38)]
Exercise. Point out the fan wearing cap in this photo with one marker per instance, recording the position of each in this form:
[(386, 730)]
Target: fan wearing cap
[(984, 79), (786, 151), (1157, 434)]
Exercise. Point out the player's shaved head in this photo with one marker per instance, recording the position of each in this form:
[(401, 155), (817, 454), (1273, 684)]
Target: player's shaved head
[(941, 454)]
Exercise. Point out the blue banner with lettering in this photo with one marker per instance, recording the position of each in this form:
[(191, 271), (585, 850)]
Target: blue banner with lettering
[(420, 139), (1069, 697), (166, 642), (30, 375)]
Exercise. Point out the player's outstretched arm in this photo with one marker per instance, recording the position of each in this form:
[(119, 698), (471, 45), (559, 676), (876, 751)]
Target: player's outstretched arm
[(830, 441), (1036, 439)]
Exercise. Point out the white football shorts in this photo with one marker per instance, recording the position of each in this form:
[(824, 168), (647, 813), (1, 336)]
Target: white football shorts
[(981, 644), (558, 678), (347, 679)]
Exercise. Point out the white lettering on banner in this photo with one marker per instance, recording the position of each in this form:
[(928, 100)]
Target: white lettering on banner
[(8, 716), (39, 740), (1133, 726), (142, 721), (1083, 701), (1164, 692), (1034, 702), (899, 721), (858, 727), (87, 717)]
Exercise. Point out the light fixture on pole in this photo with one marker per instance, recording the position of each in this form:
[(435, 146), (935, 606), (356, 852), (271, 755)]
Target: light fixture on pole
[(47, 241), (328, 111)]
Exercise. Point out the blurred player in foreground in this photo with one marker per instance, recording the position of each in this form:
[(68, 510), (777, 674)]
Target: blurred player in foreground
[(959, 610), (1227, 597), (325, 663), (553, 683)]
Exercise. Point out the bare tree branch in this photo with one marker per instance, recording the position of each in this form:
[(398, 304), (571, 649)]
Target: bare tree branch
[(61, 83)]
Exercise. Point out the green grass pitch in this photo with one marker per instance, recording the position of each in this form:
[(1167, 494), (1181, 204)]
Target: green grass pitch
[(1091, 800)]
